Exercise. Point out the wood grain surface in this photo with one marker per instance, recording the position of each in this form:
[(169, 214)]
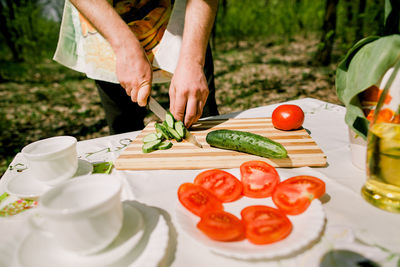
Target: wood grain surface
[(302, 149)]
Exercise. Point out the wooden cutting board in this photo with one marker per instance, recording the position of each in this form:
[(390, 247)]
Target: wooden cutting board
[(302, 149)]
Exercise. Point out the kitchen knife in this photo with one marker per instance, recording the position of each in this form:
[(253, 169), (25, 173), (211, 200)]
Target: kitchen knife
[(160, 112)]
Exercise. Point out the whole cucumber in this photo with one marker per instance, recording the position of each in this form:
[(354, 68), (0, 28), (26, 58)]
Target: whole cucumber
[(246, 142)]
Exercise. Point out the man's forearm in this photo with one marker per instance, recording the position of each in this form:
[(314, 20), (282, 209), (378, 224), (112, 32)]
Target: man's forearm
[(133, 69), (107, 21), (199, 20)]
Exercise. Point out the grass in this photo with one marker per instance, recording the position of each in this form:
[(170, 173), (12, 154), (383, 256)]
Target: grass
[(47, 99)]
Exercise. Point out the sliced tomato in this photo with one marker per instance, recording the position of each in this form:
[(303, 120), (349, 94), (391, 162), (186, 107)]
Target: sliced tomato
[(224, 185), (265, 225), (294, 195), (221, 226), (198, 199), (259, 179)]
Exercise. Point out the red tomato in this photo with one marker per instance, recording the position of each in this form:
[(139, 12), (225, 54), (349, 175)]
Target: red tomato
[(294, 195), (259, 179), (223, 184), (221, 226), (198, 199), (265, 225), (287, 117)]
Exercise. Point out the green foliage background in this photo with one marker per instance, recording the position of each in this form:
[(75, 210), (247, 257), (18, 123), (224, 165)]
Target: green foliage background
[(282, 20)]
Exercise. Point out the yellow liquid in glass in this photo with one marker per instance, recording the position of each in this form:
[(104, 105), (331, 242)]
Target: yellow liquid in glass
[(382, 188)]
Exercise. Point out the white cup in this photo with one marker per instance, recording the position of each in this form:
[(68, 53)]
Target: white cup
[(52, 160), (83, 214)]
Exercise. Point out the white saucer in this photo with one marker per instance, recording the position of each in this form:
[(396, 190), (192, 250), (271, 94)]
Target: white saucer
[(143, 230), (23, 185)]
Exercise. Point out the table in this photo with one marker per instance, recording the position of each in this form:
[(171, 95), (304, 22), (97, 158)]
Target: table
[(351, 223)]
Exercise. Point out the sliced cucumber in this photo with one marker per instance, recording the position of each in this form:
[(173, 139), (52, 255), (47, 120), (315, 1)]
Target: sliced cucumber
[(165, 124), (151, 146), (165, 145), (169, 129), (174, 134), (160, 136), (180, 128), (150, 137), (169, 118), (160, 128)]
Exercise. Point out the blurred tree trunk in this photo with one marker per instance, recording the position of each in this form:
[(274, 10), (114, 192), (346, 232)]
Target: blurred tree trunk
[(323, 55), (392, 17), (348, 34), (298, 18), (224, 6), (378, 15), (360, 20), (349, 9)]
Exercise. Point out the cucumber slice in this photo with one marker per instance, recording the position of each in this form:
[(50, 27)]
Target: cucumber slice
[(180, 128), (160, 136), (160, 128), (165, 124), (165, 145), (150, 137), (175, 134), (169, 118), (150, 146)]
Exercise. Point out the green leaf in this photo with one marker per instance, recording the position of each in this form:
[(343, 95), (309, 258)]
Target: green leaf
[(364, 66), (102, 167)]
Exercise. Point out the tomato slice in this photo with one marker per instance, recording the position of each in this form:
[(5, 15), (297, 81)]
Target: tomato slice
[(259, 179), (265, 225), (198, 199), (294, 195), (221, 226), (224, 185)]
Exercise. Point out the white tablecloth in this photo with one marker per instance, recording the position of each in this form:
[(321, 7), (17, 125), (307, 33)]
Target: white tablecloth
[(351, 223)]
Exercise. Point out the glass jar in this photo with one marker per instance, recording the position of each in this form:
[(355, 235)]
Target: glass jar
[(382, 187)]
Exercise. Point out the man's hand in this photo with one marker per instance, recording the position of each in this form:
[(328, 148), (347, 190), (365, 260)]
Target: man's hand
[(188, 92), (134, 72)]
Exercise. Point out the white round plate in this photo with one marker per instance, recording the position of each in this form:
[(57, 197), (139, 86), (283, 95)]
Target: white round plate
[(49, 253), (24, 185), (155, 248), (306, 228), (142, 242)]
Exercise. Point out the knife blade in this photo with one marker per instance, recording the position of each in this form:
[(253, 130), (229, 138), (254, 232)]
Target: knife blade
[(157, 109), (160, 112)]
